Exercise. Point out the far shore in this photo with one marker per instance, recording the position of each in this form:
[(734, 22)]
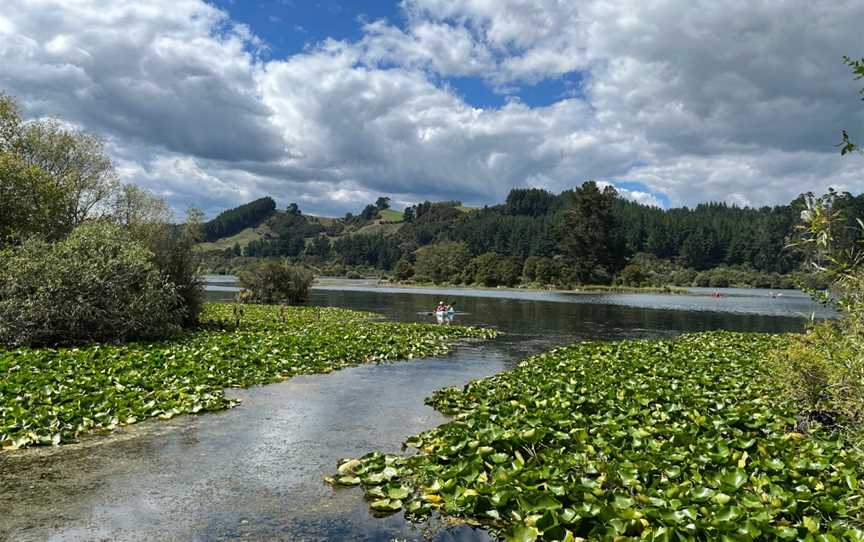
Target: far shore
[(375, 282)]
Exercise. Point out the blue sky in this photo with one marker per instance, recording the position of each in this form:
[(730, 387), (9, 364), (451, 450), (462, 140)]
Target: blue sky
[(332, 104), (290, 27)]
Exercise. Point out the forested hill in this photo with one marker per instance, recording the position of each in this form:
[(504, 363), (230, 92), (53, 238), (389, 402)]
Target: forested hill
[(588, 235)]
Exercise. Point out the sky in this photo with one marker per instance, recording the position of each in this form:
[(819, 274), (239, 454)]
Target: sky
[(331, 103)]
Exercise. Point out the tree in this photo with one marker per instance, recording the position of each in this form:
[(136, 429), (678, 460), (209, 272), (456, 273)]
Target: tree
[(98, 284), (403, 270), (408, 215), (175, 256), (529, 201), (235, 220), (591, 237), (140, 211), (77, 162), (441, 262), (277, 282), (30, 202), (483, 269), (293, 209), (56, 177), (382, 203), (632, 275), (369, 212), (320, 246)]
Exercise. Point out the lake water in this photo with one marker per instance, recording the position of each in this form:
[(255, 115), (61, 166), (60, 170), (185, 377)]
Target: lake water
[(255, 472)]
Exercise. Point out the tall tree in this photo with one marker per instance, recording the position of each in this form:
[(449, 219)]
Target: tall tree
[(592, 239)]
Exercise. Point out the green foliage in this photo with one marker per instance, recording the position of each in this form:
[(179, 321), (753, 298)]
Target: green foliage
[(441, 262), (823, 372), (492, 270), (857, 65), (276, 282), (51, 178), (377, 251), (370, 212), (55, 395), (544, 271), (390, 215), (98, 284), (651, 440), (30, 203), (632, 275), (175, 256), (404, 270), (234, 220), (587, 235), (592, 240), (534, 202)]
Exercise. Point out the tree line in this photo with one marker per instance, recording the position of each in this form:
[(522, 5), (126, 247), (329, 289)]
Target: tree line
[(235, 220), (587, 235)]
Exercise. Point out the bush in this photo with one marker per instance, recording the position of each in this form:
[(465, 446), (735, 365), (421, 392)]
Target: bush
[(632, 275), (175, 256), (98, 284), (404, 270), (441, 262), (823, 372), (276, 282)]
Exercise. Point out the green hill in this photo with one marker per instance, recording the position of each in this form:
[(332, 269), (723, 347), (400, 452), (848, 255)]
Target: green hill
[(588, 235)]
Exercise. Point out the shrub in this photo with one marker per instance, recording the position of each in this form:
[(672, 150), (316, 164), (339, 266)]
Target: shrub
[(276, 282), (823, 372), (98, 284), (175, 256), (632, 275), (404, 270)]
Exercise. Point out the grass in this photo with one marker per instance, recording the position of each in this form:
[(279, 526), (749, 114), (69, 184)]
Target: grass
[(242, 238), (685, 439), (53, 396), (391, 215)]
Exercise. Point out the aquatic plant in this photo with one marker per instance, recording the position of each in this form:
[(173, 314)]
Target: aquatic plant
[(52, 396), (681, 439)]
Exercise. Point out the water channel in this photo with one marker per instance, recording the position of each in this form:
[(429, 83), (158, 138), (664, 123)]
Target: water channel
[(255, 472)]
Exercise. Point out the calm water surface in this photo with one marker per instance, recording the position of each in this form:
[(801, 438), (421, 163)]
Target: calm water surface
[(255, 472)]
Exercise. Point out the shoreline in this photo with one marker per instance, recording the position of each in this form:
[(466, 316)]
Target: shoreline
[(372, 282)]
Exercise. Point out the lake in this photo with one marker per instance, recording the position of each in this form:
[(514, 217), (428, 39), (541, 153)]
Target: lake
[(255, 472)]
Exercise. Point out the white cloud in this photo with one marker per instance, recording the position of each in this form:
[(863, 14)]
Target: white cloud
[(738, 101), (174, 72)]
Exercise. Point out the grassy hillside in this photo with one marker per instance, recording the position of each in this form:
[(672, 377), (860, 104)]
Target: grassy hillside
[(390, 215), (388, 223), (243, 238)]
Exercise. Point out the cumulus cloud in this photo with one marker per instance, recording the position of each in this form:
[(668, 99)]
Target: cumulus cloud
[(739, 101), (174, 72)]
